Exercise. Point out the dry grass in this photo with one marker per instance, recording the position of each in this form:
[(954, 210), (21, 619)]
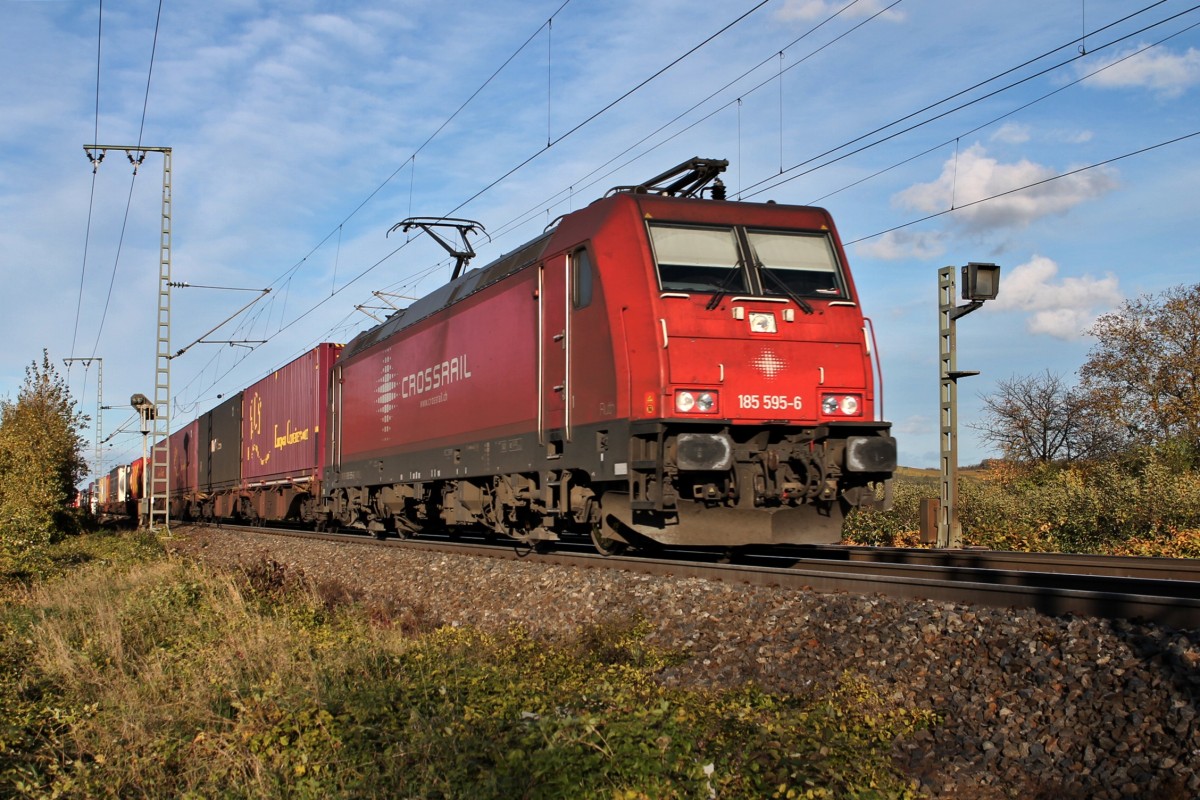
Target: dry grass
[(160, 679), (165, 651)]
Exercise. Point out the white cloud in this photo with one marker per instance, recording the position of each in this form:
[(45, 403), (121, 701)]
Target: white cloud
[(342, 30), (1062, 308), (973, 176), (896, 245), (1167, 73), (805, 10), (1012, 133), (1076, 137)]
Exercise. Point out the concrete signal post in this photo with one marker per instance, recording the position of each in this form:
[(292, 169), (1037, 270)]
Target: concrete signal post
[(981, 282)]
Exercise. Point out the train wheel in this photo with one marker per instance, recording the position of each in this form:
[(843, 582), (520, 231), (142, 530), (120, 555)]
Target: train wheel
[(604, 545)]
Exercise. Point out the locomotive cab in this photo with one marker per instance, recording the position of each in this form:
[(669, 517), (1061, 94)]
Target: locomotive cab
[(756, 421)]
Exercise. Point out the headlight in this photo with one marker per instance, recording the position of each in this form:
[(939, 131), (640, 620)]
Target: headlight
[(841, 405), (695, 401)]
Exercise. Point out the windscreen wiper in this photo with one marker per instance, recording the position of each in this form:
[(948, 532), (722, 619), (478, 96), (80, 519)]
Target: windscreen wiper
[(783, 287), (723, 287)]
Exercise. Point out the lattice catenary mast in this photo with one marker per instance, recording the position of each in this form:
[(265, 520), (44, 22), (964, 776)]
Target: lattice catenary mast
[(160, 453)]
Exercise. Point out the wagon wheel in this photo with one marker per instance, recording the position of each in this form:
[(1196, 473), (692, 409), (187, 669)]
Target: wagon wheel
[(404, 526), (603, 544)]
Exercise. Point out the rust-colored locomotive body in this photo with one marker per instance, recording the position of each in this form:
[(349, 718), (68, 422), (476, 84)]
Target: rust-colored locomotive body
[(653, 369)]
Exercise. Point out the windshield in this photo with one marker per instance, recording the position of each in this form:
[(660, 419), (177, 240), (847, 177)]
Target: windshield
[(697, 259), (739, 260), (802, 262)]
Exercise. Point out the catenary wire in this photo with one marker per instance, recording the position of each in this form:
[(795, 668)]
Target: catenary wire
[(967, 104), (133, 181), (87, 236), (999, 75), (494, 183), (1032, 185), (607, 107), (512, 171), (1005, 115), (883, 127), (412, 159), (595, 175)]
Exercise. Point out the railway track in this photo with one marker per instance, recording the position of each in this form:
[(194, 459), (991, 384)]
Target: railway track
[(1162, 591)]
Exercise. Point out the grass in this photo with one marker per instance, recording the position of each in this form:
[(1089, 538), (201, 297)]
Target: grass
[(124, 672)]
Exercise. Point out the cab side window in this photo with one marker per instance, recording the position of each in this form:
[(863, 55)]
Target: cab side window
[(581, 278)]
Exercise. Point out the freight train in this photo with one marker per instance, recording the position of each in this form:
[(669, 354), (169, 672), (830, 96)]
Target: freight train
[(662, 367)]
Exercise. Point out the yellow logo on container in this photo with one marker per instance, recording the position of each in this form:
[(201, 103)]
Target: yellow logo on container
[(255, 413), (289, 436)]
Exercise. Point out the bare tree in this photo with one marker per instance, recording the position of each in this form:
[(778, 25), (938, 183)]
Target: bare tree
[(1143, 375), (1037, 418)]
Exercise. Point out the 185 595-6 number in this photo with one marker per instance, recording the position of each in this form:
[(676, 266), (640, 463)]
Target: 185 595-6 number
[(769, 402)]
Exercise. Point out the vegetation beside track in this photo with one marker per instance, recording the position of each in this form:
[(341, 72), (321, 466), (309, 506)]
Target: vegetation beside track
[(1145, 503), (124, 671)]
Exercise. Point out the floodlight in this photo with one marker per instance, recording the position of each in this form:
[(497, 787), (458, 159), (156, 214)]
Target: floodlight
[(980, 281)]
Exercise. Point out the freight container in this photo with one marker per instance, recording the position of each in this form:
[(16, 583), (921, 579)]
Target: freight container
[(185, 470), (103, 492), (120, 479), (114, 496), (138, 488), (283, 439), (219, 445)]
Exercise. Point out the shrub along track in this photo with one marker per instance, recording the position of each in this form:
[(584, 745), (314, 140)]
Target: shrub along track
[(1030, 705)]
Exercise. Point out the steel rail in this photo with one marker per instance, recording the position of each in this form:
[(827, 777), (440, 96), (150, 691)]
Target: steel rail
[(1057, 563), (1170, 602)]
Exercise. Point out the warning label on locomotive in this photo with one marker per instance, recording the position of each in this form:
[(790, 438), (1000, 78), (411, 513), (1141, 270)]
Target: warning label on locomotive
[(435, 377)]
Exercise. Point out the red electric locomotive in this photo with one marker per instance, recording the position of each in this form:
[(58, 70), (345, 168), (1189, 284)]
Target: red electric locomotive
[(658, 367)]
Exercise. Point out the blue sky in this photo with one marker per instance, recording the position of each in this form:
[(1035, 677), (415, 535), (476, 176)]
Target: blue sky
[(301, 132)]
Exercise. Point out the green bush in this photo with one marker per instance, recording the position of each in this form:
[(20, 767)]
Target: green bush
[(1148, 496), (899, 526)]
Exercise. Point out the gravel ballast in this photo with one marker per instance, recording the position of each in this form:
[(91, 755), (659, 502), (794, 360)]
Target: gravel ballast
[(1031, 706)]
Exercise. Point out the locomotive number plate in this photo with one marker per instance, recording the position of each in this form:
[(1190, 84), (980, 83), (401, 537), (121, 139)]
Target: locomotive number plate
[(769, 402)]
